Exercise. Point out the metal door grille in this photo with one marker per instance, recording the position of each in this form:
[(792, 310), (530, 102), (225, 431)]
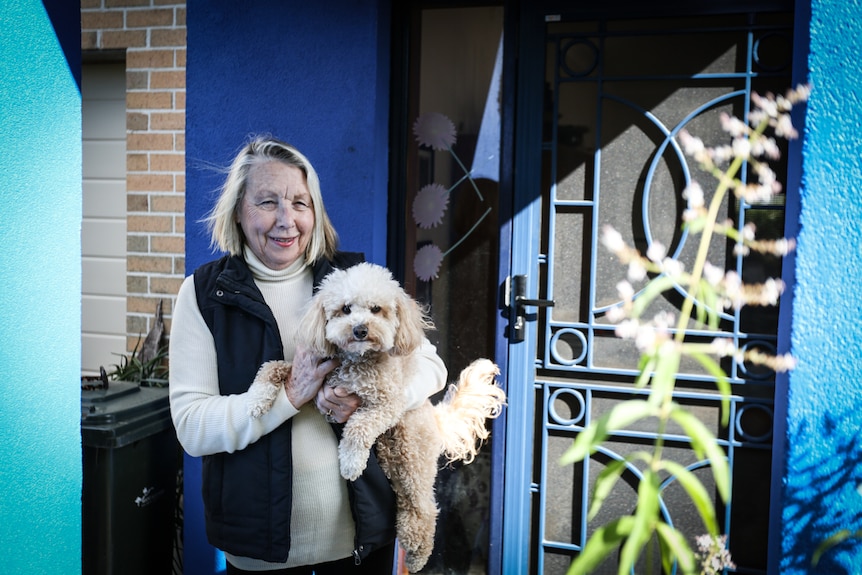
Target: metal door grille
[(617, 95)]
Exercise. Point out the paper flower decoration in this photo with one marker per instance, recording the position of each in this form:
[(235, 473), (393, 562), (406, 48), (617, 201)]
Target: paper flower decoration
[(426, 264), (434, 130), (429, 205)]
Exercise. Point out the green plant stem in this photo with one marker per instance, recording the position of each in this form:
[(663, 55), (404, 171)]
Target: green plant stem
[(467, 173)]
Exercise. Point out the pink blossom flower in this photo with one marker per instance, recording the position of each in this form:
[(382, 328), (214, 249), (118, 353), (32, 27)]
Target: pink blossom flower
[(426, 264), (429, 205), (434, 130)]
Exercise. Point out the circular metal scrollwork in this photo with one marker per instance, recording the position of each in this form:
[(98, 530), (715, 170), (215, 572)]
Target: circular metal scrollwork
[(579, 57), (754, 422), (568, 346), (570, 399), (754, 370)]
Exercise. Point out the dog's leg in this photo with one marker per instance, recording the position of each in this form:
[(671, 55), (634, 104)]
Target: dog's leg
[(269, 380), (361, 432), (408, 455)]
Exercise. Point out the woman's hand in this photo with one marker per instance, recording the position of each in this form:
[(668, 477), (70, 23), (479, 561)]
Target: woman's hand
[(306, 376), (336, 403)]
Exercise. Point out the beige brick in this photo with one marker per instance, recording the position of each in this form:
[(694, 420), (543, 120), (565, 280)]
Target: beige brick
[(137, 284), (126, 3), (156, 224), (137, 163), (180, 224), (149, 100), (137, 244), (165, 285), (149, 182), (90, 4), (140, 142), (136, 59), (148, 264), (89, 40), (137, 121), (180, 142), (136, 324), (180, 183), (180, 100), (168, 244), (181, 16), (168, 121), (123, 39), (145, 305), (171, 80), (168, 203), (101, 20), (180, 266), (180, 59), (137, 203), (137, 79), (168, 37), (167, 162), (149, 18)]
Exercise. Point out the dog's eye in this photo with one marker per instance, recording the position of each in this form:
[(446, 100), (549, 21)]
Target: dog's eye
[(375, 309), (345, 310)]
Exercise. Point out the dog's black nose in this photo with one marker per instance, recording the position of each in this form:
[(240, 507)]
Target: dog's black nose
[(360, 332)]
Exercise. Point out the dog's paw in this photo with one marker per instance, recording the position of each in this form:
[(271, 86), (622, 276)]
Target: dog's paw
[(415, 561), (264, 389), (352, 462)]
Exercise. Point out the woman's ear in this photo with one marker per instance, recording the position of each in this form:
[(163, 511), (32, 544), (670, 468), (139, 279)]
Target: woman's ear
[(412, 325), (313, 329)]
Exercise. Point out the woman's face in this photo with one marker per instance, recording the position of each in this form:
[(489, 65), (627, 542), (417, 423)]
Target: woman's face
[(276, 214)]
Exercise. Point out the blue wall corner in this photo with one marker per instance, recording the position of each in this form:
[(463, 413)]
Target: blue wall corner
[(40, 291), (823, 457), (315, 75)]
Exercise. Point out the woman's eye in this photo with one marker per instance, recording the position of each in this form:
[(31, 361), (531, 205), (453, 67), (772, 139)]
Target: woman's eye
[(267, 204), (375, 309), (345, 310)]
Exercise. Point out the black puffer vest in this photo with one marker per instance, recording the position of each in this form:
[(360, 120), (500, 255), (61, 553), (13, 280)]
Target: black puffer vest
[(248, 494)]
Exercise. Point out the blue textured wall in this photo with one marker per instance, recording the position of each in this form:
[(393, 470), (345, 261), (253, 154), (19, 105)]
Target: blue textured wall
[(40, 291), (313, 74), (822, 490)]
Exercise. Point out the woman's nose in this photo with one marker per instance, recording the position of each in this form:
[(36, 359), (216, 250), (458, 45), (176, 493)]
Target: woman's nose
[(284, 216)]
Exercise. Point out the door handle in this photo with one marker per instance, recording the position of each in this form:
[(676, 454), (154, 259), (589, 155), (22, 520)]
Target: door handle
[(517, 302)]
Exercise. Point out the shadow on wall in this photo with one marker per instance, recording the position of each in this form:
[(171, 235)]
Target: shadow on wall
[(823, 495)]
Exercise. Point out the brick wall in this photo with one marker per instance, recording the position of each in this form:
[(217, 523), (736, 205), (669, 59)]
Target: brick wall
[(153, 35)]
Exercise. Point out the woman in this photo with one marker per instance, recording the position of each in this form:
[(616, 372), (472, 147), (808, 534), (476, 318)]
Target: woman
[(273, 495)]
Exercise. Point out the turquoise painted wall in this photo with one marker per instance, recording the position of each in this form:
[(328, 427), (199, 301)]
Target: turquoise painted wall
[(40, 293), (822, 488)]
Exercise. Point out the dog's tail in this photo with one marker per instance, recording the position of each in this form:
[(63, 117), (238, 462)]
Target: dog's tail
[(462, 413)]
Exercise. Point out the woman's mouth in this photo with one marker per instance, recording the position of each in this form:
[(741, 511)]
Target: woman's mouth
[(284, 242)]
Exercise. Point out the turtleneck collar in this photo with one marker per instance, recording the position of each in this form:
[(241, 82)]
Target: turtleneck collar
[(265, 274)]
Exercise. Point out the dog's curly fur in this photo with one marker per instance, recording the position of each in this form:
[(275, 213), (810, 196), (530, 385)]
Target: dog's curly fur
[(363, 317)]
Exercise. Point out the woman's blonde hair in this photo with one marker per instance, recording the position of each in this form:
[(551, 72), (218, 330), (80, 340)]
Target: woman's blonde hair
[(222, 221)]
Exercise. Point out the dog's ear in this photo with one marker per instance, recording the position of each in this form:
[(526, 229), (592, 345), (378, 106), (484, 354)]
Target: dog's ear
[(313, 329), (412, 325)]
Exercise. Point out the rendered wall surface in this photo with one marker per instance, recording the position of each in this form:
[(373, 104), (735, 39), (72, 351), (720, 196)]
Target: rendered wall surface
[(40, 288), (310, 74), (822, 488)]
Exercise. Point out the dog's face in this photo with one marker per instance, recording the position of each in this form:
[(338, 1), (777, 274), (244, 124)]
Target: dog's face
[(363, 309)]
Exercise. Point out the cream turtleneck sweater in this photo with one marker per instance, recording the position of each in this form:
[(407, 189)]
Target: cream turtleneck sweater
[(322, 527)]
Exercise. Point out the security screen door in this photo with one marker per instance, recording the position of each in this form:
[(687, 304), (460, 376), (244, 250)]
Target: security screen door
[(596, 144)]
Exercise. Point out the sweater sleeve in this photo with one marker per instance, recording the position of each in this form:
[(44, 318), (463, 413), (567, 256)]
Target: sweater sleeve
[(206, 421), (428, 377)]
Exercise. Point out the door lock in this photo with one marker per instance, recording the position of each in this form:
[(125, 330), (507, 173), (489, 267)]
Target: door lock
[(517, 301)]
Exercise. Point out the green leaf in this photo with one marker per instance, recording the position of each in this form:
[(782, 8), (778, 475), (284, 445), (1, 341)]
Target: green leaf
[(832, 541), (721, 382), (674, 546), (604, 485), (646, 365), (665, 375), (696, 492), (650, 292), (601, 544), (622, 415), (705, 444), (607, 478), (646, 516)]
